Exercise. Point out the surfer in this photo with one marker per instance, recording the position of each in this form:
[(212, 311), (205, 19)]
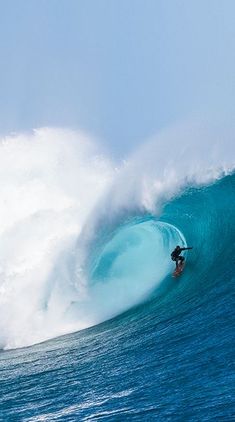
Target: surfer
[(175, 255)]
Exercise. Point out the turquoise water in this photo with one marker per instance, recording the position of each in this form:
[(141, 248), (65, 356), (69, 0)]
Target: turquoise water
[(167, 353)]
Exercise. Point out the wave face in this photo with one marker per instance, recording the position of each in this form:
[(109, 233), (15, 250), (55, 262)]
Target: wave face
[(82, 242)]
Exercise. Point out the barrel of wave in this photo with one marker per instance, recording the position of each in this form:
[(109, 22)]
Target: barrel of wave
[(130, 265)]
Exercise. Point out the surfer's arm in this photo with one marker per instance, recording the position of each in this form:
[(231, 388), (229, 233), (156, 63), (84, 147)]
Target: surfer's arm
[(185, 249)]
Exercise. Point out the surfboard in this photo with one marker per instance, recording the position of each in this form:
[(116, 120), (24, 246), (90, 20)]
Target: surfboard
[(178, 271)]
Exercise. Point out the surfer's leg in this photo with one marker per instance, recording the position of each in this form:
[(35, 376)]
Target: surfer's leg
[(181, 258)]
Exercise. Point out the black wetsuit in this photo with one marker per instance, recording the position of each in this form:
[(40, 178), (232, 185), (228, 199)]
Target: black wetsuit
[(175, 255)]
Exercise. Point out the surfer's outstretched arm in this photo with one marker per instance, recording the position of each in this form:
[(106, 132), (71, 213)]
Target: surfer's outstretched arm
[(184, 249)]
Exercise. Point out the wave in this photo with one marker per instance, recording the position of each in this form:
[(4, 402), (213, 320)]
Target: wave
[(83, 240)]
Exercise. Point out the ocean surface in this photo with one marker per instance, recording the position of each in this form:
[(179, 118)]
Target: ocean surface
[(93, 325)]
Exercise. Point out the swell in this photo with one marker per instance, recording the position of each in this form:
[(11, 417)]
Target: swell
[(128, 261)]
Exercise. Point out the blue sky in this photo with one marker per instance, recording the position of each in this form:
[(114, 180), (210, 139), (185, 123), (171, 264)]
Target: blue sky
[(119, 69)]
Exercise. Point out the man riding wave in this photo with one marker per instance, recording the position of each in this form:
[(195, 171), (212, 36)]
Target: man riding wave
[(175, 255)]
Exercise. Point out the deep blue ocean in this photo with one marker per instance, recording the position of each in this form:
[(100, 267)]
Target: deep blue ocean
[(171, 355)]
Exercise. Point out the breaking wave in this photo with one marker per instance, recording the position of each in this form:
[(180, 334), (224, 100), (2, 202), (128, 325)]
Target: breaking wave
[(83, 239)]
